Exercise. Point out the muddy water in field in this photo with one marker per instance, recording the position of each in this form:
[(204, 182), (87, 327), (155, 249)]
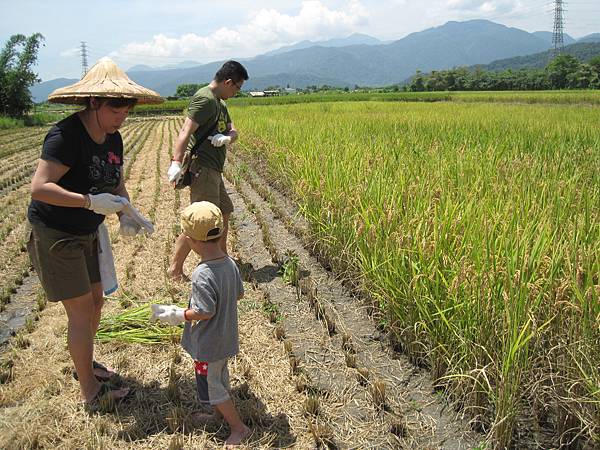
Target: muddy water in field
[(22, 303)]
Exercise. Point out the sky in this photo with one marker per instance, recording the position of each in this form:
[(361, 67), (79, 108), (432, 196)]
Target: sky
[(159, 33)]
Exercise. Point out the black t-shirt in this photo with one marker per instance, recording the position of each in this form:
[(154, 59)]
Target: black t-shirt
[(94, 168)]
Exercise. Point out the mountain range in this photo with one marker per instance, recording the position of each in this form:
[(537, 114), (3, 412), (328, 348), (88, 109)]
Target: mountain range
[(356, 60), (353, 39)]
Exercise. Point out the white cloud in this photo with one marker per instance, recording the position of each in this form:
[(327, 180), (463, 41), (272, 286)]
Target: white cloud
[(484, 6), (70, 52), (264, 30)]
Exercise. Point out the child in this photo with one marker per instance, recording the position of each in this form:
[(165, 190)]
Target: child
[(213, 338)]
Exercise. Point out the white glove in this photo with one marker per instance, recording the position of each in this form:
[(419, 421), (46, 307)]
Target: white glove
[(218, 140), (128, 227), (137, 217), (106, 204), (169, 314), (174, 172)]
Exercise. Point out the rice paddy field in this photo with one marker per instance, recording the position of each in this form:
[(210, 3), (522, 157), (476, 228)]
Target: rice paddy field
[(570, 97), (468, 233), (475, 228)]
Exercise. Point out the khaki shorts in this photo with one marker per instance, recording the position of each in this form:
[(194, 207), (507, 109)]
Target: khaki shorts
[(66, 264), (212, 381), (207, 185)]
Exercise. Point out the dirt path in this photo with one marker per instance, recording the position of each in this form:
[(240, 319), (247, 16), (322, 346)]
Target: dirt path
[(313, 369)]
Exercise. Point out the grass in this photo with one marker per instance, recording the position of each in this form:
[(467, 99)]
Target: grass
[(568, 97), (8, 123), (552, 97), (32, 120), (475, 227), (290, 271)]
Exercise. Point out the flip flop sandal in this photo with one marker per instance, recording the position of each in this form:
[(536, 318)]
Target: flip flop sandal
[(100, 378), (97, 365), (96, 403)]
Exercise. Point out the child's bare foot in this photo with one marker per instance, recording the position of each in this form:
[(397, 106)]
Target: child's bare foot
[(178, 276), (237, 436)]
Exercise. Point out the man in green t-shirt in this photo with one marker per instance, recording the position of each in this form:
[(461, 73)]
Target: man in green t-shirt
[(207, 131)]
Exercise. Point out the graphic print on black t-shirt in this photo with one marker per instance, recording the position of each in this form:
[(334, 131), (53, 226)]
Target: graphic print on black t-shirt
[(104, 173)]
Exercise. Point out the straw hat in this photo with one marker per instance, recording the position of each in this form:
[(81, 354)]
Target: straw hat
[(104, 79)]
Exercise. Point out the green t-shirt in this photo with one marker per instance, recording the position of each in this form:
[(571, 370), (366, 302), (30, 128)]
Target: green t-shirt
[(204, 109)]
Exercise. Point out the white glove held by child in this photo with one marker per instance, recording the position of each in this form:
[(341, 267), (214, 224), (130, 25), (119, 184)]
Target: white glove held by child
[(174, 172), (169, 314), (218, 140), (106, 204)]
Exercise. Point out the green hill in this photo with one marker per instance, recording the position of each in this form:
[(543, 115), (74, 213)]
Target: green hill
[(583, 51)]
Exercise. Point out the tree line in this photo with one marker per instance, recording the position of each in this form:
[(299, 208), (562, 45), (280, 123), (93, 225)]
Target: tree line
[(563, 72)]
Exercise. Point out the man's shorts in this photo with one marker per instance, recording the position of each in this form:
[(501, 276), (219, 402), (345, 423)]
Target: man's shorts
[(66, 264), (207, 185), (212, 381)]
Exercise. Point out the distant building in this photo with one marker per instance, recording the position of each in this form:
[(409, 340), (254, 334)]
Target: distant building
[(266, 93)]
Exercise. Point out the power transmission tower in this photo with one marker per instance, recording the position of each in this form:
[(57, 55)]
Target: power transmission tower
[(559, 22), (84, 63)]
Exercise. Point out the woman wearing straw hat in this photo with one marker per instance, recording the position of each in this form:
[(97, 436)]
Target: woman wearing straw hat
[(76, 184)]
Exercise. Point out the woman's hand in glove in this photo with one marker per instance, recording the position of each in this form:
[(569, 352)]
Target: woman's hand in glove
[(128, 226), (106, 204)]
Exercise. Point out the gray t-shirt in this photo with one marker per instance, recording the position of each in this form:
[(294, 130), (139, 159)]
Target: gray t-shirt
[(216, 287)]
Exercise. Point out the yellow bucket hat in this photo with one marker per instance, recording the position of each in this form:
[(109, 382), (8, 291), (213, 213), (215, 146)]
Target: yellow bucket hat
[(106, 80), (202, 221)]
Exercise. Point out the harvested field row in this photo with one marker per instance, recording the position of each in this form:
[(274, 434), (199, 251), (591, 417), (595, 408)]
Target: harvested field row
[(12, 208), (16, 177), (12, 161), (19, 136), (20, 167), (7, 150), (159, 415)]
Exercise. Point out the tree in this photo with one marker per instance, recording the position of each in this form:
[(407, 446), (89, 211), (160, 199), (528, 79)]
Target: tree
[(418, 82), (559, 70), (584, 78), (595, 65), (16, 77), (188, 90)]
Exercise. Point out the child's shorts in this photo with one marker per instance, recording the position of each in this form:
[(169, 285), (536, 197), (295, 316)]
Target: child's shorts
[(212, 381)]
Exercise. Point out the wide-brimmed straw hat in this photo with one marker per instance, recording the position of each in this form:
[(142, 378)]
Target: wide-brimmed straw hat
[(106, 80)]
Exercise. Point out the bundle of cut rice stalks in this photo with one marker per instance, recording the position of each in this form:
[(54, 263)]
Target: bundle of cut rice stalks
[(134, 326)]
